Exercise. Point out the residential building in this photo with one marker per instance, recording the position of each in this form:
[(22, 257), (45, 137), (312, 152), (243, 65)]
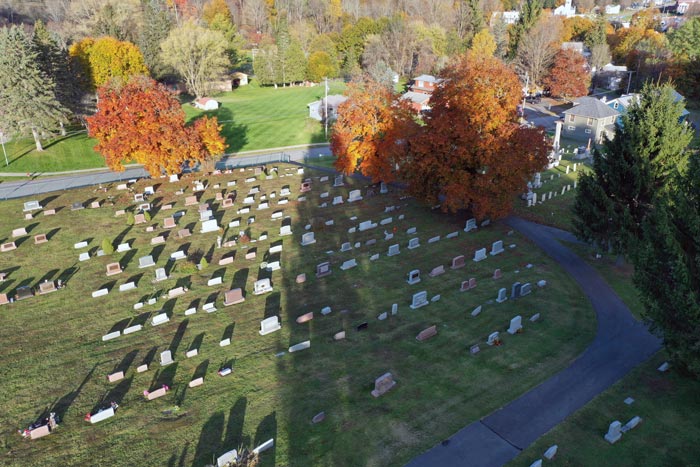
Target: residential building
[(590, 118), (567, 10), (418, 100), (317, 109), (206, 103)]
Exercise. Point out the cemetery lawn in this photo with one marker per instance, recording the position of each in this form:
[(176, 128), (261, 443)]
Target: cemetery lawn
[(54, 358), (256, 117), (557, 211), (668, 404)]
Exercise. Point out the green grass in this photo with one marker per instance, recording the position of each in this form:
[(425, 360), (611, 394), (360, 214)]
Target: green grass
[(556, 211), (257, 117), (669, 405), (253, 117), (53, 355), (72, 152)]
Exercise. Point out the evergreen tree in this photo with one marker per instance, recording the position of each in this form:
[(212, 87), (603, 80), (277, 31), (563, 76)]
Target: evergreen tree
[(159, 19), (667, 269), (633, 168), (27, 97), (529, 14), (53, 61)]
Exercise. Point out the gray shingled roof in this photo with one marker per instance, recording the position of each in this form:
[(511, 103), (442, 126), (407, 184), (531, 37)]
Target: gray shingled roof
[(591, 107)]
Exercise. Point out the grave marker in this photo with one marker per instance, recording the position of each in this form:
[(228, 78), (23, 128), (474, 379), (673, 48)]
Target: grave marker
[(516, 325), (437, 271), (414, 243), (427, 333), (269, 325), (480, 255), (383, 384), (458, 262), (420, 299), (497, 248), (413, 277), (323, 269)]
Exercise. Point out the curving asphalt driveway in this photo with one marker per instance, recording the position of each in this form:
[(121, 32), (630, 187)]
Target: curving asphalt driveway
[(621, 343)]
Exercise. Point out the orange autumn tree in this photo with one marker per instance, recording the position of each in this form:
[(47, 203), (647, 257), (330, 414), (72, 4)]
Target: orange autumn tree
[(141, 121), (472, 152), (371, 130), (568, 77)]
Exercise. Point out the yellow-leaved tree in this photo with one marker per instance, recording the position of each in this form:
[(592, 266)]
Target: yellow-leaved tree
[(100, 60)]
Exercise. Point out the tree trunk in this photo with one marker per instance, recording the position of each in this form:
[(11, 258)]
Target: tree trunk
[(63, 129), (35, 133)]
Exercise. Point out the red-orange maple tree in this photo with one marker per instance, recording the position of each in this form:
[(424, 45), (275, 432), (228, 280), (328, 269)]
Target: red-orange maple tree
[(141, 121), (371, 130), (472, 153), (568, 76)]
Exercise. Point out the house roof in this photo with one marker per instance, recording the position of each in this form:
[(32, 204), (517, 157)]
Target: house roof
[(335, 99), (592, 108), (611, 67), (203, 100), (426, 78), (416, 97)]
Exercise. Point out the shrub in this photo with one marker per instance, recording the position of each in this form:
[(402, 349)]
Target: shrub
[(203, 264), (186, 267), (107, 246), (130, 218), (147, 216)]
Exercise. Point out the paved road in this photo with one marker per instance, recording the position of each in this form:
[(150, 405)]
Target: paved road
[(78, 179), (621, 343)]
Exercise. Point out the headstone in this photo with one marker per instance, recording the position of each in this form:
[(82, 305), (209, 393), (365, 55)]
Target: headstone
[(160, 319), (534, 317), (537, 463), (146, 261), (323, 269), (305, 317), (476, 311), (345, 247), (111, 335), (133, 329), (383, 384), (190, 311), (413, 277), (80, 245), (166, 358), (176, 256), (301, 278), (233, 297), (434, 239), (114, 377), (497, 248), (300, 346), (502, 295), (51, 212), (427, 333), (127, 286), (31, 206), (102, 414), (76, 206), (470, 225), (394, 309), (420, 299), (287, 230), (83, 256), (437, 271), (374, 257), (225, 342), (266, 445), (634, 421), (326, 310), (366, 225), (541, 283), (349, 264), (191, 353), (39, 239), (411, 231), (339, 336), (525, 289), (664, 367), (191, 201), (458, 262), (614, 432), (480, 255), (141, 368), (21, 232), (262, 286), (156, 394), (497, 274), (354, 195), (551, 451), (273, 266), (338, 181), (413, 243), (454, 234), (209, 226), (393, 250), (269, 325), (516, 325), (276, 249), (158, 240), (494, 339), (8, 247), (139, 219), (308, 239), (515, 290), (196, 382), (386, 221)]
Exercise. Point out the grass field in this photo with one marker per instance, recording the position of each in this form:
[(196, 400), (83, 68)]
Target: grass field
[(54, 359), (253, 118), (264, 117)]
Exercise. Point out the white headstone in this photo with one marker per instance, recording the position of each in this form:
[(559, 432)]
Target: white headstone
[(269, 325), (516, 324), (480, 255)]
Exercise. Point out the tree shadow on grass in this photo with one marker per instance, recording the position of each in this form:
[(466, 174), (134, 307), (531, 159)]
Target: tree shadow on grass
[(234, 427), (267, 430), (209, 440), (61, 406)]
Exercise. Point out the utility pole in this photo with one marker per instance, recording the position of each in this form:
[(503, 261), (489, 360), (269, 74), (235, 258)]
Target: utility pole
[(325, 119), (2, 141), (629, 81)]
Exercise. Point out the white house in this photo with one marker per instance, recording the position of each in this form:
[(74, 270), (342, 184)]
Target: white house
[(612, 9), (317, 109), (206, 103), (567, 10), (509, 17)]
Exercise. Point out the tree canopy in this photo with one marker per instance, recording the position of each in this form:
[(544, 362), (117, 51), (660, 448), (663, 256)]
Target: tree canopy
[(633, 168), (472, 153), (199, 55), (371, 131), (27, 94), (568, 76), (103, 59), (141, 121)]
